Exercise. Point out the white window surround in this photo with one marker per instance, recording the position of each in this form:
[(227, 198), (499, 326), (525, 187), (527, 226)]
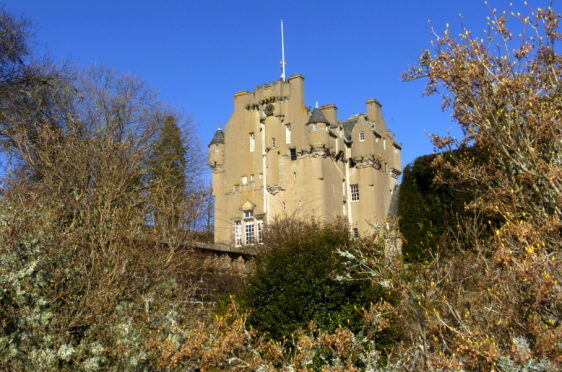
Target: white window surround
[(288, 134), (238, 233), (252, 142), (354, 190), (260, 230), (249, 230)]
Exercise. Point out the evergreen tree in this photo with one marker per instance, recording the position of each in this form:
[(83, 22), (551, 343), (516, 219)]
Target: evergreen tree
[(169, 157), (168, 175)]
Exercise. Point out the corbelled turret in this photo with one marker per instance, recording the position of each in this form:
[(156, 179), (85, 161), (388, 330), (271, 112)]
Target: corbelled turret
[(317, 129), (216, 151)]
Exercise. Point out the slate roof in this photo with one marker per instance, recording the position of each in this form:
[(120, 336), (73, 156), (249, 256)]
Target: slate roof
[(218, 137), (317, 117), (348, 127)]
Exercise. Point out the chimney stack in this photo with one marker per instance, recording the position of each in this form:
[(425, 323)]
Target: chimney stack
[(374, 113), (330, 112)]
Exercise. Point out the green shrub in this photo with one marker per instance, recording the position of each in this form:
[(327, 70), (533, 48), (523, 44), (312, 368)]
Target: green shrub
[(428, 208), (294, 283)]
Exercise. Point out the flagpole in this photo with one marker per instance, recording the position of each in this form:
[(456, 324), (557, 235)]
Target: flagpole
[(282, 53)]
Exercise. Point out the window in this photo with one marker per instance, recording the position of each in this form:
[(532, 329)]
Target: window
[(354, 192), (238, 233), (260, 176), (314, 127), (248, 214), (244, 180), (351, 163), (252, 142), (251, 177), (288, 133), (216, 148), (260, 230), (273, 144), (355, 233), (384, 144), (361, 136), (293, 153), (249, 227)]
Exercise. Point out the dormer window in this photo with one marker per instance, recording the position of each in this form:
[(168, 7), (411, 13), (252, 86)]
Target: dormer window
[(249, 214), (216, 148), (361, 136)]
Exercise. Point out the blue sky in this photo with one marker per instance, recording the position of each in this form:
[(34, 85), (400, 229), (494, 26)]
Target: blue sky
[(198, 54)]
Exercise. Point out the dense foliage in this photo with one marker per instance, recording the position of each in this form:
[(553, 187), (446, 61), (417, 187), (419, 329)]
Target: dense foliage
[(83, 280), (294, 282), (83, 286), (494, 301), (430, 210)]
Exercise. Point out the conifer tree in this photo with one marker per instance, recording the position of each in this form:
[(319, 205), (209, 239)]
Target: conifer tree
[(168, 174)]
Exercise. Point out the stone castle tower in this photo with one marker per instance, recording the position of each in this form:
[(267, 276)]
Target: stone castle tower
[(276, 157)]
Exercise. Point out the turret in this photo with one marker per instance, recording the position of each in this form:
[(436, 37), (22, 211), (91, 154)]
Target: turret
[(216, 150), (317, 129)]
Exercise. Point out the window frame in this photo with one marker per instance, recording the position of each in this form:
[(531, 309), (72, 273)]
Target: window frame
[(293, 154), (252, 141), (238, 233), (354, 192), (249, 232)]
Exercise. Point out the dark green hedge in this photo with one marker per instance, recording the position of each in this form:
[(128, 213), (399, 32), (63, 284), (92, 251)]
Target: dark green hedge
[(294, 284), (426, 208)]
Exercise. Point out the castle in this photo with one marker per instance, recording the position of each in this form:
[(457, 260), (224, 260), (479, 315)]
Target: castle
[(277, 157)]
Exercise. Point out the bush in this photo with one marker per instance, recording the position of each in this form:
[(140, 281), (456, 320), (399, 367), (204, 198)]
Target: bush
[(429, 207), (294, 282)]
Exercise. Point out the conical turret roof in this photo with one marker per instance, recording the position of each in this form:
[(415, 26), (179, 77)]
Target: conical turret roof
[(317, 117), (218, 137)]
